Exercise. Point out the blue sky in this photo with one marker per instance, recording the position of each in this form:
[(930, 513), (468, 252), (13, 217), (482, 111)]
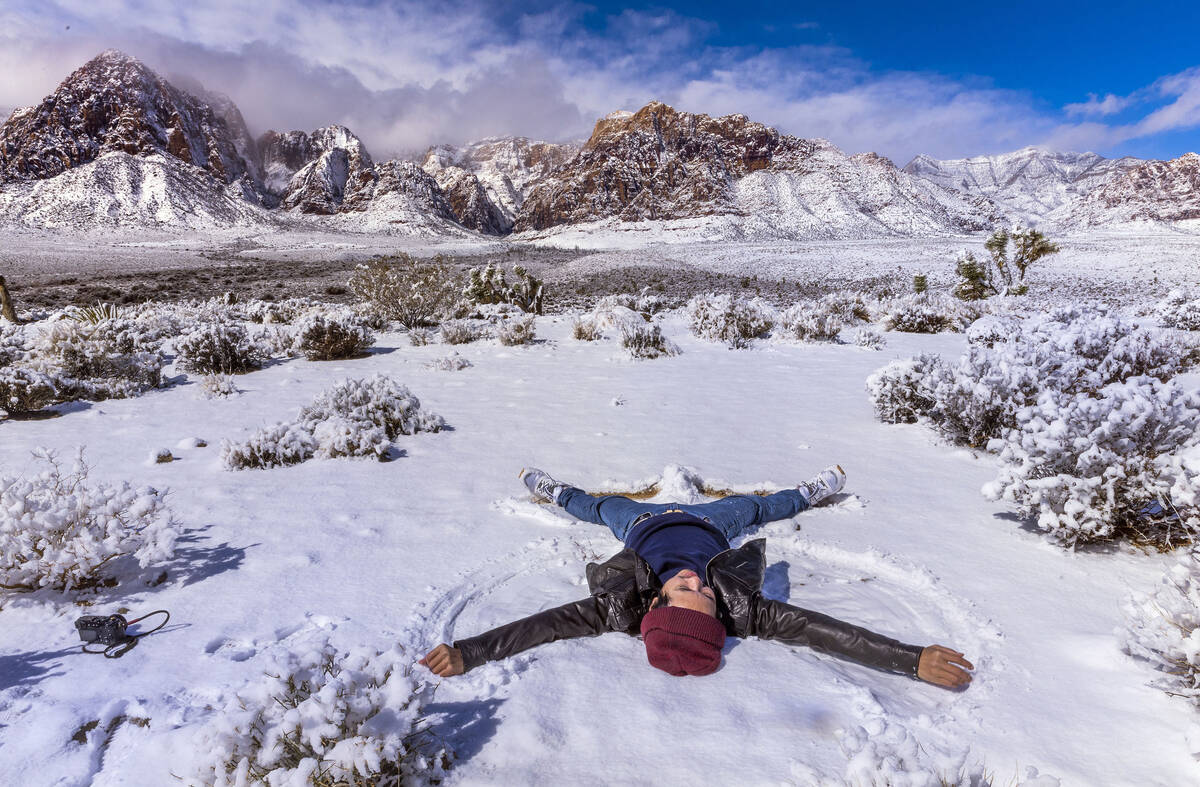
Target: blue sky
[(947, 79)]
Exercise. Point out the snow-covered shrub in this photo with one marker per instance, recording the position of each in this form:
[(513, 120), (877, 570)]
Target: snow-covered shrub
[(283, 312), (990, 329), (450, 363), (585, 329), (1163, 627), (645, 303), (1091, 468), (518, 331), (59, 531), (869, 338), (419, 337), (462, 331), (852, 307), (275, 341), (110, 360), (488, 284), (811, 322), (1180, 309), (353, 418), (324, 717), (13, 349), (723, 318), (901, 391), (218, 348), (411, 292), (25, 390), (927, 313), (647, 341), (333, 338), (217, 386)]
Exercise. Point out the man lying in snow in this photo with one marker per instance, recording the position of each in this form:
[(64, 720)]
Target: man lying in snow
[(678, 582)]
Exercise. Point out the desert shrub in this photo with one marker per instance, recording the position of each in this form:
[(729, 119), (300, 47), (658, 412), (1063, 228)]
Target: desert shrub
[(1066, 350), (927, 313), (324, 717), (219, 348), (647, 341), (217, 386), (1180, 309), (488, 284), (1162, 627), (353, 418), (920, 283), (851, 307), (645, 303), (105, 361), (462, 331), (811, 322), (333, 338), (419, 337), (518, 331), (25, 390), (869, 338), (1091, 468), (990, 329), (411, 292), (902, 390), (585, 330), (60, 531), (13, 347), (723, 318), (274, 341), (285, 312), (450, 363)]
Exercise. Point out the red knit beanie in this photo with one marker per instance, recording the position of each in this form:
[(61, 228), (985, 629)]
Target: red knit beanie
[(683, 641)]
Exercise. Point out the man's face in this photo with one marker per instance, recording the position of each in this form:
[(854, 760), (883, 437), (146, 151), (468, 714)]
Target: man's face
[(686, 589)]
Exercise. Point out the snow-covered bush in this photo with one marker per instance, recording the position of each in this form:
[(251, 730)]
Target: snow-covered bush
[(219, 348), (869, 338), (353, 418), (991, 329), (419, 337), (324, 717), (851, 307), (901, 391), (25, 390), (333, 338), (647, 341), (462, 331), (217, 386), (450, 363), (1067, 350), (585, 329), (645, 303), (811, 322), (59, 531), (488, 284), (411, 292), (1163, 627), (1180, 309), (109, 360), (519, 331), (723, 318), (275, 341), (12, 345), (927, 313), (1091, 468)]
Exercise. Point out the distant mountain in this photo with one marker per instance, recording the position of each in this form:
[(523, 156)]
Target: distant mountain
[(1155, 191), (1028, 184), (659, 163)]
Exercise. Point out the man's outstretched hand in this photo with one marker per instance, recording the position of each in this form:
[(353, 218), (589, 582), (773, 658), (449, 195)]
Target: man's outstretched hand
[(446, 661), (943, 667)]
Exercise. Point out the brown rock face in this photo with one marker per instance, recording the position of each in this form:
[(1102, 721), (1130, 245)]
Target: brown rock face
[(1157, 190), (470, 203), (656, 163), (114, 103), (327, 172)]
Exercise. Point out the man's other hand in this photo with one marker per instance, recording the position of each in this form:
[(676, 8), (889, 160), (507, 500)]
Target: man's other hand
[(446, 661), (944, 667)]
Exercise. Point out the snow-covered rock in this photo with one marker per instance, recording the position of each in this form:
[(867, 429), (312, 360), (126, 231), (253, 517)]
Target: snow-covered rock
[(1152, 191)]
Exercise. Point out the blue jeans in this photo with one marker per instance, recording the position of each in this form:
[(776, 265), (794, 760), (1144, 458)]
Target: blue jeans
[(731, 515)]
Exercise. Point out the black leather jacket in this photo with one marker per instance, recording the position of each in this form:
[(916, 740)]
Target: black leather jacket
[(624, 585)]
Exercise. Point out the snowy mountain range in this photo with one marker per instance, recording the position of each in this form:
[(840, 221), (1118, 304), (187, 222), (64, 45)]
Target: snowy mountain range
[(116, 145)]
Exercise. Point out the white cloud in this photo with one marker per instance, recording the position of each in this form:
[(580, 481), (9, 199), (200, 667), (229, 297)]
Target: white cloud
[(1109, 105)]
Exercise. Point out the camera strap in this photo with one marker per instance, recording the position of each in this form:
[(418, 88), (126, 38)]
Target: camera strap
[(120, 648)]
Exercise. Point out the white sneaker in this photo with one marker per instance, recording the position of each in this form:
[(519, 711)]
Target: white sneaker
[(542, 485), (825, 483)]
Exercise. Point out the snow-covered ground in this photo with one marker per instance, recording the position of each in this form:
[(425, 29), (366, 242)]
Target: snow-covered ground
[(444, 542)]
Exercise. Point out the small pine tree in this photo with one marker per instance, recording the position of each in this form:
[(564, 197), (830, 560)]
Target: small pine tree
[(920, 283), (975, 279)]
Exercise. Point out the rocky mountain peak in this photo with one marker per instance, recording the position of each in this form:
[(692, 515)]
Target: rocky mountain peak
[(115, 103)]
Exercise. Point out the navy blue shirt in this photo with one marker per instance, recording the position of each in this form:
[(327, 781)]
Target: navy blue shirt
[(672, 542)]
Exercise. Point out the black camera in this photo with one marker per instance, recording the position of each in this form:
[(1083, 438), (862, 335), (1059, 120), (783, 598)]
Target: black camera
[(106, 630)]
